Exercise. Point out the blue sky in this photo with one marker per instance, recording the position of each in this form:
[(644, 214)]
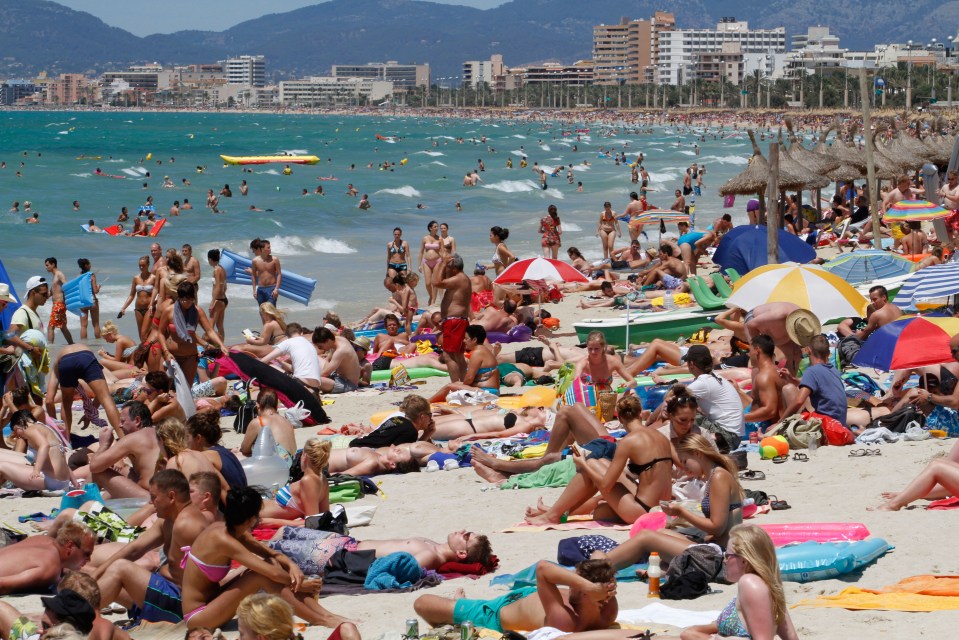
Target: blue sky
[(144, 18)]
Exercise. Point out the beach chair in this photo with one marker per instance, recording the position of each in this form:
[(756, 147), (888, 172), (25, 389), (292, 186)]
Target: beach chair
[(733, 274), (722, 287), (704, 297)]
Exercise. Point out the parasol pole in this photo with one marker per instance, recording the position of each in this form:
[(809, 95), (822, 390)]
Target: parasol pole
[(772, 214), (627, 329), (870, 160)]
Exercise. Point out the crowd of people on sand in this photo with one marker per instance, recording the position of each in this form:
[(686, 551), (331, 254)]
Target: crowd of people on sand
[(194, 551)]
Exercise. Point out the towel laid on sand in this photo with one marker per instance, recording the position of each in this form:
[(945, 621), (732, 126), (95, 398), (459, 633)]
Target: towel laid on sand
[(557, 474), (659, 613), (574, 523), (920, 593)]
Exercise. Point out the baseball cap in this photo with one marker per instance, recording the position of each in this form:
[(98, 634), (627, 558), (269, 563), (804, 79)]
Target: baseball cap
[(70, 606), (699, 355), (35, 282)]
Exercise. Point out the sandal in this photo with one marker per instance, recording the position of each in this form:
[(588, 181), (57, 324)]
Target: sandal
[(858, 453), (778, 505), (873, 452), (752, 474), (780, 459), (800, 457)]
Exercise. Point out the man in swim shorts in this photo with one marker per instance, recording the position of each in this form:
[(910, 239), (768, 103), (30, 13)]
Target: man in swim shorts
[(74, 363), (267, 276), (58, 315), (588, 602), (671, 272), (455, 308)]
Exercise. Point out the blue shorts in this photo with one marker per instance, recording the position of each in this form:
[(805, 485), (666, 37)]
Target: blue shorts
[(600, 448), (161, 603), (671, 282), (485, 613), (264, 294), (82, 365)]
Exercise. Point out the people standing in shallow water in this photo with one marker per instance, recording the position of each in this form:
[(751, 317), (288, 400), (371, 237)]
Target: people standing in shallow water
[(549, 226), (502, 256), (429, 258), (93, 311), (608, 229), (397, 254)]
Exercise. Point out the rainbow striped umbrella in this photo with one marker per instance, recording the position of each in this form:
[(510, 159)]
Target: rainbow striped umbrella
[(914, 211), (910, 341), (810, 287)]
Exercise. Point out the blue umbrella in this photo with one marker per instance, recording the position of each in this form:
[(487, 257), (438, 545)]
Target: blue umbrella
[(937, 281), (744, 249), (868, 265)]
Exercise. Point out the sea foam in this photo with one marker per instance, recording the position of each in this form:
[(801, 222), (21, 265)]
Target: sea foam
[(407, 191)]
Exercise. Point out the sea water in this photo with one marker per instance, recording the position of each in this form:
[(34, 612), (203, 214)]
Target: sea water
[(325, 237)]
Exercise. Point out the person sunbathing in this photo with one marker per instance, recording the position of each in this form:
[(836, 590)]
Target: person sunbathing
[(938, 480), (406, 457), (37, 563), (721, 508), (481, 373), (268, 416), (452, 423), (308, 495), (272, 333), (647, 456), (207, 603), (588, 602), (44, 466), (598, 367), (175, 452)]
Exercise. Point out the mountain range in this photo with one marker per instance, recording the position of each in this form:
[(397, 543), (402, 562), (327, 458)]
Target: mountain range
[(39, 35)]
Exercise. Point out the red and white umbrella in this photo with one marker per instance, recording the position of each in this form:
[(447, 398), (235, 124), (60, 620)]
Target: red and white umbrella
[(545, 269)]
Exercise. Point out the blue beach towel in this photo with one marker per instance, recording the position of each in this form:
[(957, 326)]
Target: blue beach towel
[(398, 570)]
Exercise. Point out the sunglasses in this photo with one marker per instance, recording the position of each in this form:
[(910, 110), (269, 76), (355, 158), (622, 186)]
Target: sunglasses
[(730, 554)]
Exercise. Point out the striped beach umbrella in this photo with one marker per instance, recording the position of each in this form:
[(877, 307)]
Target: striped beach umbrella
[(929, 283), (868, 265), (910, 341), (810, 287), (914, 211)]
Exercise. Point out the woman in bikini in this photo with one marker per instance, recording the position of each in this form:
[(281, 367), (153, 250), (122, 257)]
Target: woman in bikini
[(272, 332), (93, 311), (401, 458), (549, 226), (208, 604), (308, 495), (482, 373), (721, 508), (141, 291), (178, 328), (429, 257), (453, 424), (608, 229), (281, 428), (123, 346), (397, 255), (448, 241), (616, 481), (502, 256), (175, 452), (44, 466), (598, 367)]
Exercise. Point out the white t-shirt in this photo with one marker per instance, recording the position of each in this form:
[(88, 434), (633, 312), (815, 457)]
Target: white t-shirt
[(720, 401), (27, 319), (303, 357)]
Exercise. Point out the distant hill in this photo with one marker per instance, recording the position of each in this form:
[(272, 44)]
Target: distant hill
[(39, 34)]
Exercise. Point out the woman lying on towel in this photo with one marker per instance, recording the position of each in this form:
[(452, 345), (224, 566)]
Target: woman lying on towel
[(940, 479), (721, 508), (759, 609), (308, 495), (453, 423), (631, 476), (407, 457), (207, 563)]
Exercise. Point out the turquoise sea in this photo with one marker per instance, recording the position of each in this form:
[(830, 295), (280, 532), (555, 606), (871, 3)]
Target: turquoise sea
[(325, 237)]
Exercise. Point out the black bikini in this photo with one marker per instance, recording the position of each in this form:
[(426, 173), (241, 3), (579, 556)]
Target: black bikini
[(639, 469), (509, 421)]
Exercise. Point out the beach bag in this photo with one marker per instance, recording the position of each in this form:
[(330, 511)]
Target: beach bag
[(334, 520), (798, 431), (247, 410), (898, 421), (297, 414), (836, 434), (399, 376), (76, 498), (606, 405), (690, 573), (9, 360)]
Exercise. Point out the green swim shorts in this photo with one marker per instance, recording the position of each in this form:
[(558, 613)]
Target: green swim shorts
[(506, 368), (485, 613)]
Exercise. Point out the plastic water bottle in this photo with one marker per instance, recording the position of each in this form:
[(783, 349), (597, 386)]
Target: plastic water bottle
[(655, 573), (812, 443), (669, 303)]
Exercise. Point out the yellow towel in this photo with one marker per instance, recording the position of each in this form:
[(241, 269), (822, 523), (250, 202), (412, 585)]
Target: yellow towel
[(859, 599), (536, 451), (680, 299)]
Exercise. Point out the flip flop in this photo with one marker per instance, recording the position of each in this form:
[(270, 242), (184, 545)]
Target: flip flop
[(778, 505), (752, 474), (780, 459), (800, 457), (873, 452), (858, 453)]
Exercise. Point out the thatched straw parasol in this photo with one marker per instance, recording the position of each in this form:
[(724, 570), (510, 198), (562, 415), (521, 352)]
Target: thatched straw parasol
[(903, 152), (818, 163), (940, 145), (754, 178), (886, 167), (845, 173), (847, 154)]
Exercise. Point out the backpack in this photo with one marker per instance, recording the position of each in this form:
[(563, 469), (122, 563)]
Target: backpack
[(247, 410), (898, 420)]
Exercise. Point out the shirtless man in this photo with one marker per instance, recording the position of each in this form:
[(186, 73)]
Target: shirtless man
[(267, 277), (949, 192), (178, 524), (903, 191), (159, 261), (392, 340), (36, 564), (493, 318), (455, 309), (587, 603), (679, 204), (633, 209), (770, 319), (768, 404), (878, 313), (218, 301), (139, 444), (191, 266), (671, 271), (341, 372), (460, 546), (58, 315)]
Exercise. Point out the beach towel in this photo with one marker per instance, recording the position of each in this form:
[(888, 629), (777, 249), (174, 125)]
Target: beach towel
[(452, 570), (863, 600), (574, 523), (925, 585), (658, 613), (944, 504), (429, 579), (557, 474), (395, 571), (527, 577)]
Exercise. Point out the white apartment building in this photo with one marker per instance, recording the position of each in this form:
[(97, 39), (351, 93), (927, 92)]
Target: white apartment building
[(403, 76), (476, 72), (246, 70), (678, 49), (327, 91)]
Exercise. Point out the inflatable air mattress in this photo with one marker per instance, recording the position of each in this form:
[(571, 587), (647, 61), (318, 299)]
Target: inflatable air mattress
[(293, 286), (78, 293)]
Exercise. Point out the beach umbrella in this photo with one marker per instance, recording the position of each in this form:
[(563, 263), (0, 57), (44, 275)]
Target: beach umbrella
[(667, 216), (753, 178), (791, 166), (744, 248), (540, 269), (909, 342), (810, 287), (914, 211), (868, 265), (937, 281), (817, 163)]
